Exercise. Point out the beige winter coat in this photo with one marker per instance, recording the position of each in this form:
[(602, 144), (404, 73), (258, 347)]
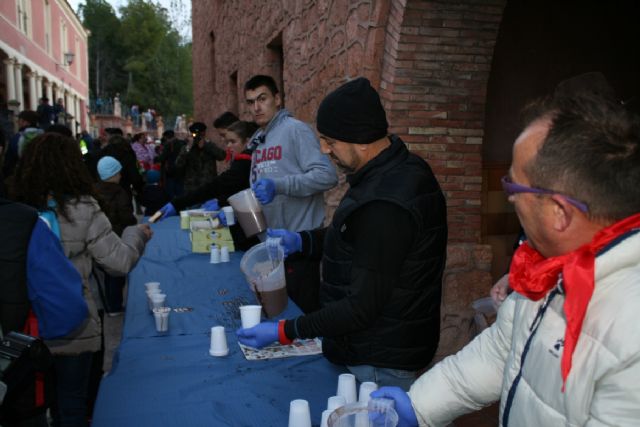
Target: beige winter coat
[(88, 237), (603, 387)]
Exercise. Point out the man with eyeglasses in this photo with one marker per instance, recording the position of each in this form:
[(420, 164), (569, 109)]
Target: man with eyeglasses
[(565, 348), (289, 175)]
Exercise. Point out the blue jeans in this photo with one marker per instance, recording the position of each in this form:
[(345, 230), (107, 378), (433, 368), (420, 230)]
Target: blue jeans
[(384, 376), (72, 386)]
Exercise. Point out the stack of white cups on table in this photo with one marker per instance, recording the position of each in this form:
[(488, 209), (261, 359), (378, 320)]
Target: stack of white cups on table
[(156, 300), (345, 394), (219, 255)]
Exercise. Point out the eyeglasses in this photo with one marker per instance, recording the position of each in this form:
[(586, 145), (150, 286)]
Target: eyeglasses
[(511, 188)]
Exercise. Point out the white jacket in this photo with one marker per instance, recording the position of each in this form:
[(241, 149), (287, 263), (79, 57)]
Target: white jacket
[(603, 386)]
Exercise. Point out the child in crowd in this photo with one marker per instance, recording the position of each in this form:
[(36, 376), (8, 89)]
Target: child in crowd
[(153, 195), (119, 209)]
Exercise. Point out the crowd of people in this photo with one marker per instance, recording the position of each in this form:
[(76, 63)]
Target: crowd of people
[(564, 349)]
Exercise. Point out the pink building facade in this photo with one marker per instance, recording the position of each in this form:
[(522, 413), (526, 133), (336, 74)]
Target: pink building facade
[(44, 51)]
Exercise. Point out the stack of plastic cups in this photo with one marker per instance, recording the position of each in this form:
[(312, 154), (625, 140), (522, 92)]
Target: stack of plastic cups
[(299, 415)]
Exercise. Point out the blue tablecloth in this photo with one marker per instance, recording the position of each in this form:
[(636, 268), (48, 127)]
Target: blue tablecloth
[(169, 379)]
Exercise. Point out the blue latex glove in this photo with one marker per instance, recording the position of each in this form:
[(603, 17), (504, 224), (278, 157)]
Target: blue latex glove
[(211, 205), (222, 218), (265, 190), (291, 241), (168, 210), (406, 414), (258, 336)]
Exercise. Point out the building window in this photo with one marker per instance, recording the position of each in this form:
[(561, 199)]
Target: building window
[(24, 16)]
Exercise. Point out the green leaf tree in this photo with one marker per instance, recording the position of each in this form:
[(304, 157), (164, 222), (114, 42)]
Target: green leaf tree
[(149, 64)]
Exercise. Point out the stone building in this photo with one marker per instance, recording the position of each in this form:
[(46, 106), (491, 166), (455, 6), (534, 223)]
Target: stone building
[(43, 47), (452, 76)]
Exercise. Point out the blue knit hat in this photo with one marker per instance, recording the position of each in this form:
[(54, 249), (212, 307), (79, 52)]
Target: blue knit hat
[(108, 167)]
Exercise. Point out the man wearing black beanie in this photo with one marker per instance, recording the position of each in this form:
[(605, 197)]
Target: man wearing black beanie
[(382, 256)]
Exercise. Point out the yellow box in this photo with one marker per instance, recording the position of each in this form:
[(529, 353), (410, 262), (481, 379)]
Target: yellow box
[(204, 235)]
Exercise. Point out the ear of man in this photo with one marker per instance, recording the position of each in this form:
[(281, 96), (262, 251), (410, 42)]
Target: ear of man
[(564, 213)]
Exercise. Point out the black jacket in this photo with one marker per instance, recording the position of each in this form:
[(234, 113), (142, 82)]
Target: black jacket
[(16, 225), (382, 261)]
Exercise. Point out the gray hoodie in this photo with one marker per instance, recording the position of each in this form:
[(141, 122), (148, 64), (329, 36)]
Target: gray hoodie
[(290, 155)]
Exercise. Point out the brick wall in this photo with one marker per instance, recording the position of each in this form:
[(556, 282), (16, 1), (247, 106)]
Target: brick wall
[(434, 79)]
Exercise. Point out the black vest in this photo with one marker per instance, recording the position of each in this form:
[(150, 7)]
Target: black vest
[(406, 334), (16, 225)]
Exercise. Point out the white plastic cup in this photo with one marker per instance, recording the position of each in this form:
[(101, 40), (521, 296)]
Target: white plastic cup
[(157, 300), (250, 315), (347, 387), (228, 214), (161, 316), (215, 254), (224, 254), (150, 292), (335, 402), (299, 415), (152, 285), (153, 291), (325, 418), (218, 342), (365, 390)]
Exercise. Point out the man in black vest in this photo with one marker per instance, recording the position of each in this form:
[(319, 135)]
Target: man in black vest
[(382, 256)]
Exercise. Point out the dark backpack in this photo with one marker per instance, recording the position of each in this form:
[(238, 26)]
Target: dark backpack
[(26, 366)]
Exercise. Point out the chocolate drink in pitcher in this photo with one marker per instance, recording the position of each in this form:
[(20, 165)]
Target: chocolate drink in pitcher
[(273, 302), (252, 223)]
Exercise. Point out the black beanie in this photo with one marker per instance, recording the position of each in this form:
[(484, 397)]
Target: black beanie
[(353, 113)]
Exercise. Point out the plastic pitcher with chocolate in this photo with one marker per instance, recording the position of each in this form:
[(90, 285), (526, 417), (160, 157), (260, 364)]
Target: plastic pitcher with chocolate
[(248, 212), (265, 275)]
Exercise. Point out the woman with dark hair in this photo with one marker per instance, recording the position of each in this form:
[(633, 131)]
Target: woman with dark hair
[(51, 176)]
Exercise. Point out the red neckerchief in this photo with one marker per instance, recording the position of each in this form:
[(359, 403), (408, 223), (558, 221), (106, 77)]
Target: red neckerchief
[(533, 276)]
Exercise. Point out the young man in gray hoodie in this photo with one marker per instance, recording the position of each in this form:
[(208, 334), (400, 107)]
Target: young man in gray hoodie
[(289, 175)]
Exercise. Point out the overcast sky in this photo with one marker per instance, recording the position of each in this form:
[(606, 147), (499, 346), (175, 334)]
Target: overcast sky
[(179, 12)]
